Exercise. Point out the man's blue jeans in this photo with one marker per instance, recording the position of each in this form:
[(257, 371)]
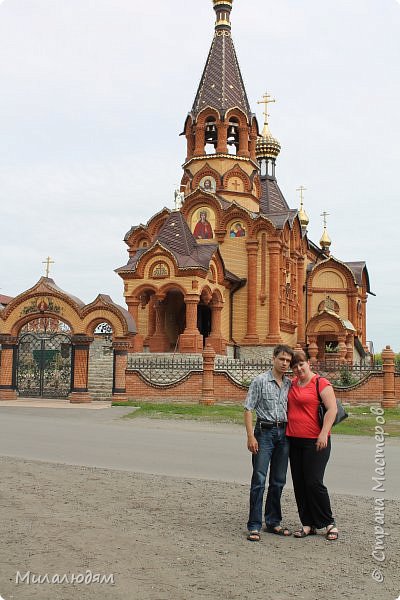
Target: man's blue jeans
[(273, 452)]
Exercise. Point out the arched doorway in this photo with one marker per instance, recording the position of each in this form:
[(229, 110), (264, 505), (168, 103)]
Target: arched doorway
[(44, 359), (204, 320), (175, 316)]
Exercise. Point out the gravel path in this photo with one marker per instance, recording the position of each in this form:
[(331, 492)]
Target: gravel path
[(166, 538)]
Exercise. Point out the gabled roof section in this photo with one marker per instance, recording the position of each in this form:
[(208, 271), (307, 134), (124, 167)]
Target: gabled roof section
[(176, 235), (279, 219), (358, 268), (221, 85), (176, 238)]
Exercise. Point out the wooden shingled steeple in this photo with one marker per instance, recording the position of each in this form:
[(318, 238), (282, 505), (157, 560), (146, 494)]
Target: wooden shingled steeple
[(221, 86)]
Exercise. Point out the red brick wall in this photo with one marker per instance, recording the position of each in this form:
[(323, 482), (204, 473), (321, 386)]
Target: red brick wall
[(188, 390)]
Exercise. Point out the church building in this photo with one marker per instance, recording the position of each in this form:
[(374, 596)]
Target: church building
[(231, 264)]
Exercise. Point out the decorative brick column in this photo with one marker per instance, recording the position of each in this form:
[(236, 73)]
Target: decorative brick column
[(301, 329), (353, 307), (215, 338), (80, 369), (252, 146), (159, 341), (151, 323), (191, 340), (200, 141), (274, 251), (312, 348), (222, 146), (342, 348), (207, 392), (120, 348), (364, 323), (190, 144), (349, 346), (133, 307), (251, 336), (244, 142), (8, 367), (389, 399)]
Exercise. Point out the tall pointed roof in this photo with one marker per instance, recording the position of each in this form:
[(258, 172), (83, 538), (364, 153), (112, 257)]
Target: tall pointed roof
[(272, 200), (221, 85)]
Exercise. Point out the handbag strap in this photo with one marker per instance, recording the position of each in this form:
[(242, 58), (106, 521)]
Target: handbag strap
[(317, 388)]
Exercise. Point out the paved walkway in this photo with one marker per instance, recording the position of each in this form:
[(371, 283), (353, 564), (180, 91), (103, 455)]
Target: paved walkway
[(101, 438), (51, 403)]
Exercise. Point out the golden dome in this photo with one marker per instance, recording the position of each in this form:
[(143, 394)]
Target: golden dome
[(267, 146), (325, 240), (303, 216)]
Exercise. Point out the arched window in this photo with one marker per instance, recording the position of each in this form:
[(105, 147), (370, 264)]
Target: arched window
[(210, 136), (233, 136)]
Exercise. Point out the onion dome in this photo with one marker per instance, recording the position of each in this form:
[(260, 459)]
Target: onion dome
[(325, 240), (303, 216), (267, 146)]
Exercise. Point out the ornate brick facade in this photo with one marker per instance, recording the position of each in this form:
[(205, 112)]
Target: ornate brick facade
[(232, 264)]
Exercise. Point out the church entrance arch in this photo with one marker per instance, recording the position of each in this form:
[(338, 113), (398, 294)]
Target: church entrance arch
[(44, 359)]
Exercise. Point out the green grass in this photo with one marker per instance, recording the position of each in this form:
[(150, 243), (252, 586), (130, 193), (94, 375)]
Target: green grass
[(360, 422), (218, 413)]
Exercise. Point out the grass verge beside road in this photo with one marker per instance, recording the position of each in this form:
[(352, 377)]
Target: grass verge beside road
[(360, 422)]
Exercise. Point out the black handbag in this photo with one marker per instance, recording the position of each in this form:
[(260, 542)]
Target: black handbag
[(341, 414)]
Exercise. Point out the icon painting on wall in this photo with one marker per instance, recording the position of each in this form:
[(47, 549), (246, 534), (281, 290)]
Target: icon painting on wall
[(203, 229), (208, 184), (237, 230)]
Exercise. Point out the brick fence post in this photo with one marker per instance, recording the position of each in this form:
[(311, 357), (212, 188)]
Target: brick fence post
[(8, 365), (80, 369), (389, 400), (207, 392)]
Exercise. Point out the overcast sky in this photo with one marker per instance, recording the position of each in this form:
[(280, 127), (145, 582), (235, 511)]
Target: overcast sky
[(94, 94)]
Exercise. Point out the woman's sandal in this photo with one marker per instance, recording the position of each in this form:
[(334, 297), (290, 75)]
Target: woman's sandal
[(302, 533), (253, 536), (330, 535)]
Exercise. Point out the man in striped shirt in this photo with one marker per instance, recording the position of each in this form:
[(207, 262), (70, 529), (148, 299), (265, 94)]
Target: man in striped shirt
[(268, 444)]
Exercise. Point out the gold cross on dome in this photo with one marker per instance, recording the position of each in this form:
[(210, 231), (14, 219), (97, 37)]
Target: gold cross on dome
[(325, 214), (48, 262), (267, 99), (301, 189)]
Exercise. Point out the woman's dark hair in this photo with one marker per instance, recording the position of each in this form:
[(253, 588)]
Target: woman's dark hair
[(298, 356)]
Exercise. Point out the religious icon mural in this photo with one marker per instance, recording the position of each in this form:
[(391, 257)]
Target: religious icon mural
[(203, 229), (208, 184), (237, 230)]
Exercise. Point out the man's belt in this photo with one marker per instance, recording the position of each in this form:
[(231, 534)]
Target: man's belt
[(270, 424)]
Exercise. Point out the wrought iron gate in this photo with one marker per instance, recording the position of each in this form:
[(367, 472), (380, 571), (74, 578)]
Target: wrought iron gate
[(44, 365)]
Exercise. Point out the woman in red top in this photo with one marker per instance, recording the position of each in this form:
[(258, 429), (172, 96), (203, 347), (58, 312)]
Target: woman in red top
[(310, 447)]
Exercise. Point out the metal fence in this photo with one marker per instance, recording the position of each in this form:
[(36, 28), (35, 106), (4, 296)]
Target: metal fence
[(241, 371), (164, 371), (343, 375)]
